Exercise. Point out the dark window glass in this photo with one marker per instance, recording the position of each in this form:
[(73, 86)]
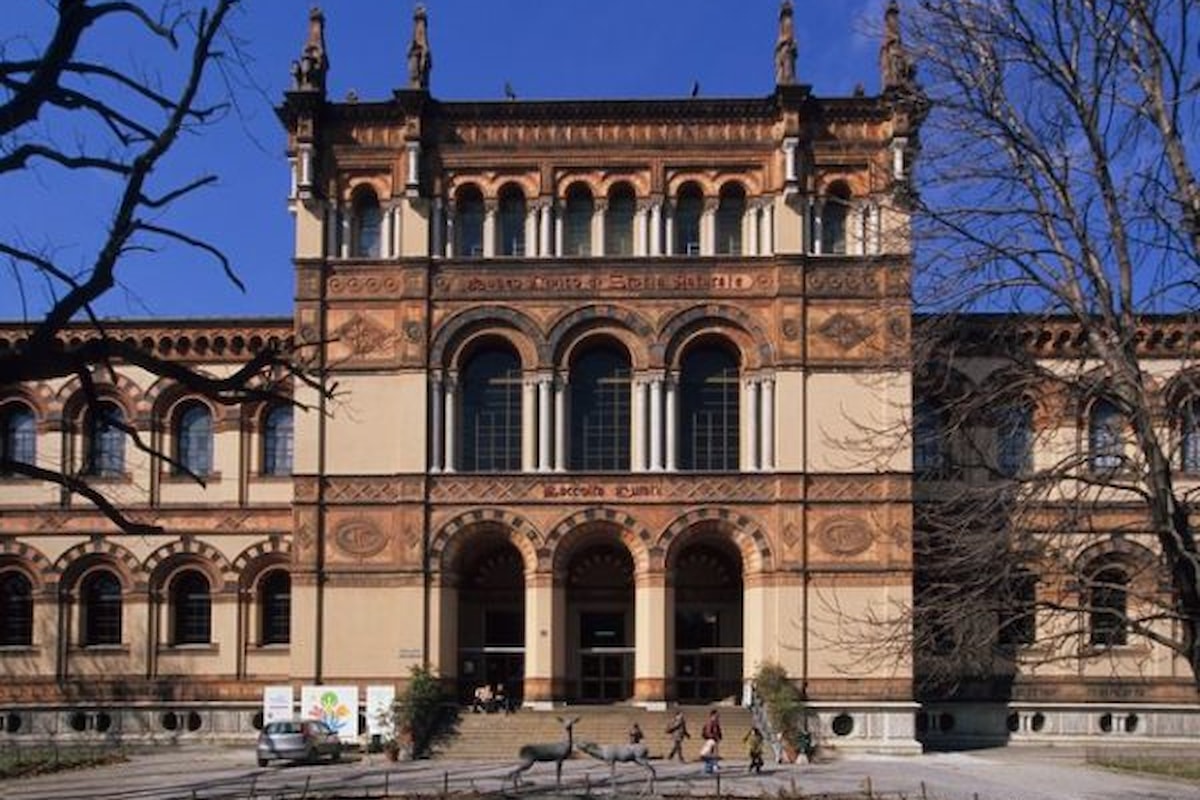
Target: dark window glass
[(834, 213), (367, 225), (277, 441), (503, 629), (18, 436), (1109, 590), (1105, 436), (577, 227), (709, 387), (101, 595), (1014, 439), (929, 443), (618, 221), (1190, 444), (191, 605), (468, 223), (275, 606), (16, 610), (105, 453), (600, 386), (194, 439), (492, 412), (730, 213), (512, 222), (1018, 617), (689, 205)]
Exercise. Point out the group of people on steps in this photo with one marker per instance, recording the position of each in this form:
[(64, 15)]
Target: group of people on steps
[(712, 734)]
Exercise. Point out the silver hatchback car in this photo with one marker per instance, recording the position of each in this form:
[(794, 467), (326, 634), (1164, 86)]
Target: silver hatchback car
[(298, 740)]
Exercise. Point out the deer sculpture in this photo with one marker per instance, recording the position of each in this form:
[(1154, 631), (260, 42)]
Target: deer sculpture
[(623, 753), (558, 752)]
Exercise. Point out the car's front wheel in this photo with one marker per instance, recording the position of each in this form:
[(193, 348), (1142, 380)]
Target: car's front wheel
[(262, 762)]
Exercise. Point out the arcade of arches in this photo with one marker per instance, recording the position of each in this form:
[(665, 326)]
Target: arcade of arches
[(587, 624)]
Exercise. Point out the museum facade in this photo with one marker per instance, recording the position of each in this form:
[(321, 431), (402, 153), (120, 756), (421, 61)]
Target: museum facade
[(612, 405)]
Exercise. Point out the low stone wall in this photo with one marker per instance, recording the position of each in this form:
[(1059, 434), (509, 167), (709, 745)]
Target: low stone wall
[(951, 726)]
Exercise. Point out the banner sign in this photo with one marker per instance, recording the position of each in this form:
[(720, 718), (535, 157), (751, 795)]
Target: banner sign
[(278, 704), (336, 706)]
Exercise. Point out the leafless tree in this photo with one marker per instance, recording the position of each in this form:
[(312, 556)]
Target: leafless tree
[(65, 111), (1058, 237)]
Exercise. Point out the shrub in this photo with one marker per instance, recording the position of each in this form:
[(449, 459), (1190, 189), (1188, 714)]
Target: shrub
[(418, 711), (784, 703)]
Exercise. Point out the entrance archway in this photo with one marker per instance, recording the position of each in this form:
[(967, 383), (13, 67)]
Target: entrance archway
[(600, 622), (491, 618), (708, 620)]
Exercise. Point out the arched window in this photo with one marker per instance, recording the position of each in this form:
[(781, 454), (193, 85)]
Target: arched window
[(689, 205), (577, 227), (1106, 439), (491, 392), (468, 222), (1107, 607), (16, 610), (194, 438), (512, 221), (366, 224), (1189, 439), (104, 446), (191, 608), (618, 220), (929, 441), (1014, 439), (277, 441), (600, 387), (834, 213), (18, 436), (731, 211), (100, 595), (275, 607), (709, 393)]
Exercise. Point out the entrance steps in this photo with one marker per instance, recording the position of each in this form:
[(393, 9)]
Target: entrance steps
[(498, 737)]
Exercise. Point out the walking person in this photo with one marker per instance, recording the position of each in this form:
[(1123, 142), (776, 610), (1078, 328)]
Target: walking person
[(754, 749), (635, 734), (678, 732), (712, 741)]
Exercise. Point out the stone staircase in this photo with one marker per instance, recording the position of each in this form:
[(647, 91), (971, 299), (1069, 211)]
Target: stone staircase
[(498, 737)]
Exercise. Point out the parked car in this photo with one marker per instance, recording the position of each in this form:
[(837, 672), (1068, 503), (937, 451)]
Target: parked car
[(298, 740)]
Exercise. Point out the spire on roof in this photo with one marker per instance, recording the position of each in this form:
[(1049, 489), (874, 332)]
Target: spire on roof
[(785, 47), (308, 72), (420, 59)]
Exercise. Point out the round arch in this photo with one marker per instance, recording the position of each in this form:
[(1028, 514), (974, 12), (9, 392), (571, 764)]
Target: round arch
[(628, 327), (524, 334), (745, 533), (598, 522), (729, 322), (448, 541), (87, 555), (189, 552)]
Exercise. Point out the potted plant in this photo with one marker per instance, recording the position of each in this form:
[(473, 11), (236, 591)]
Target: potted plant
[(786, 710), (416, 716)]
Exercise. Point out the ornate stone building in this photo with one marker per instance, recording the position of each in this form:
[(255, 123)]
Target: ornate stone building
[(610, 381)]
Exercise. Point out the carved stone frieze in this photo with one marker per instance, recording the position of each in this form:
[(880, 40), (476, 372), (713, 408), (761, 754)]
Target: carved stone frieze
[(843, 535), (364, 337), (732, 488), (845, 330), (359, 537), (843, 281), (341, 490)]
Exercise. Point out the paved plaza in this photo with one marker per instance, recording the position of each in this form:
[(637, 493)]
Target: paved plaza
[(199, 773)]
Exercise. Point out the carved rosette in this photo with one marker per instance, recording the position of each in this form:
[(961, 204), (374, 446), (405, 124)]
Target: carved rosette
[(843, 536), (845, 330), (359, 537)]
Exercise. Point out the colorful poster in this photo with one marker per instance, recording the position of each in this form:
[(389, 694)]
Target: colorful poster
[(379, 710), (278, 703), (336, 706)]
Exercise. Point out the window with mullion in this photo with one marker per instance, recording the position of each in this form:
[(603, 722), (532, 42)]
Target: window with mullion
[(16, 610), (275, 606), (1108, 607), (1106, 440), (618, 221), (600, 413), (191, 603), (18, 436), (194, 434), (278, 441), (492, 412), (101, 609), (1014, 439), (577, 227), (105, 453), (709, 390), (1190, 438)]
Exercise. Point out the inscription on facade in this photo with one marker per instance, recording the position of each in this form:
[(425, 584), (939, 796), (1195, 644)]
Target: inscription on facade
[(592, 282), (598, 491)]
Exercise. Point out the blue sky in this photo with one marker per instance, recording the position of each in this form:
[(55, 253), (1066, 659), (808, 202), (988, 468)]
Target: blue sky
[(543, 48)]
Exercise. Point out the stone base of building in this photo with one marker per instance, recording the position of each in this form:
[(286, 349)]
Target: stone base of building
[(865, 727), (952, 726)]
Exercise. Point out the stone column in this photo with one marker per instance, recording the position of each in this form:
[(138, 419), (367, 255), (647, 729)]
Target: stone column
[(650, 640), (708, 227), (529, 424), (558, 235), (656, 424), (672, 423), (437, 233), (545, 228), (450, 462), (818, 225), (531, 232), (656, 227), (346, 232), (450, 233), (638, 432), (436, 427), (766, 447), (542, 633), (412, 178), (640, 228), (331, 232), (766, 236), (560, 424), (791, 173), (489, 229), (669, 230), (599, 209), (749, 424), (545, 418), (751, 228)]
